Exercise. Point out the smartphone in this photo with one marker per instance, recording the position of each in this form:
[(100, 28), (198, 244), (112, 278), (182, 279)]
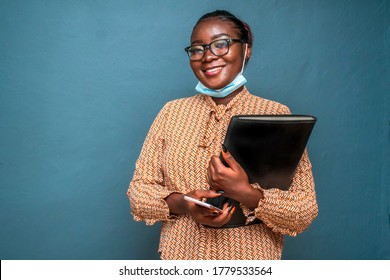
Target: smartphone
[(204, 204)]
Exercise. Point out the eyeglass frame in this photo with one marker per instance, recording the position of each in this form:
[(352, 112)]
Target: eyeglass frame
[(208, 46)]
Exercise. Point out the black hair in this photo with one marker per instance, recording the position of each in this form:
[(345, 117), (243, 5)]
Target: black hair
[(243, 28)]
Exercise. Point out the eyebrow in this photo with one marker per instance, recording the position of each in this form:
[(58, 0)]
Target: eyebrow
[(216, 36)]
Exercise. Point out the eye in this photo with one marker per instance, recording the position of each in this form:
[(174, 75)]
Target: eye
[(196, 49), (220, 44)]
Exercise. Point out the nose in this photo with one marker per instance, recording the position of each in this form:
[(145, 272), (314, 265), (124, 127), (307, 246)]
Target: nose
[(208, 55)]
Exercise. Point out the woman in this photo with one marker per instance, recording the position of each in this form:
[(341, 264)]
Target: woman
[(180, 156)]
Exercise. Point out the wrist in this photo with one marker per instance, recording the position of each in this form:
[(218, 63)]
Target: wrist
[(176, 203), (251, 197)]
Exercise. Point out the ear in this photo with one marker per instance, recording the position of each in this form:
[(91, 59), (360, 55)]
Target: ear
[(248, 53)]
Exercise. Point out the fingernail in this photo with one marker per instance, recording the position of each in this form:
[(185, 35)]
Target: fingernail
[(220, 192), (224, 149), (233, 210)]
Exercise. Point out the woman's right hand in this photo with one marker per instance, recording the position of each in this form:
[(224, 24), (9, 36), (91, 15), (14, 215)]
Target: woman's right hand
[(205, 216)]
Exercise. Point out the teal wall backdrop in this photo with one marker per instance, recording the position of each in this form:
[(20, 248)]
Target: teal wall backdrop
[(81, 82)]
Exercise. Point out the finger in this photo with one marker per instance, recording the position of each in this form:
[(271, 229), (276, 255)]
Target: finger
[(225, 217), (212, 174), (230, 160), (209, 173), (212, 166), (225, 211), (216, 168), (207, 212), (199, 194), (232, 210), (212, 213)]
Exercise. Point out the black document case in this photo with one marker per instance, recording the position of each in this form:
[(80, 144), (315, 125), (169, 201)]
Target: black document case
[(269, 148)]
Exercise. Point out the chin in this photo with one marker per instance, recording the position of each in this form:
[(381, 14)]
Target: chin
[(215, 83), (214, 86)]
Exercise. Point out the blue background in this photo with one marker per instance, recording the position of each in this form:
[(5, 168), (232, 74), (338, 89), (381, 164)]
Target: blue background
[(81, 82)]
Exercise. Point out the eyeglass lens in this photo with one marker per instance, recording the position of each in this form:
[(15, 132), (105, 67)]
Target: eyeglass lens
[(219, 48)]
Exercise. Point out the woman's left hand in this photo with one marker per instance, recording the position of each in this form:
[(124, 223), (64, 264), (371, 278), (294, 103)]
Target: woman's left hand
[(232, 180)]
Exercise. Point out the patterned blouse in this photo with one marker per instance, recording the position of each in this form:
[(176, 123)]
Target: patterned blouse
[(174, 158)]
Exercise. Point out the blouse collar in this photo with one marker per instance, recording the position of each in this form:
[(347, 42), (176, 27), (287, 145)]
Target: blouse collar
[(216, 113)]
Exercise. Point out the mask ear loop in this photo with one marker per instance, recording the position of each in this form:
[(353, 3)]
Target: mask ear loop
[(243, 63)]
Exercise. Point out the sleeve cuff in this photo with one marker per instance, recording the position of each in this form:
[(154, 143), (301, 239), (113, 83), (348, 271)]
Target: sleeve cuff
[(250, 214)]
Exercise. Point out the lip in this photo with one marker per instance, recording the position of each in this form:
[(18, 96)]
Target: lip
[(212, 71)]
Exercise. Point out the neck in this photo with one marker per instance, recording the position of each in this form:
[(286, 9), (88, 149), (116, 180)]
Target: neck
[(227, 99)]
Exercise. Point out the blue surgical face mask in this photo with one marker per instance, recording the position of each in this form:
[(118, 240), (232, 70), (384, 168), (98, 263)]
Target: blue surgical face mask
[(238, 81), (223, 92)]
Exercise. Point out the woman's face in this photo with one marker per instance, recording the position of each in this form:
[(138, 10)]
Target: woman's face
[(215, 72)]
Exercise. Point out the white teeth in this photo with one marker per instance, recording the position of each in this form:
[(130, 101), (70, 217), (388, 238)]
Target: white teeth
[(213, 70)]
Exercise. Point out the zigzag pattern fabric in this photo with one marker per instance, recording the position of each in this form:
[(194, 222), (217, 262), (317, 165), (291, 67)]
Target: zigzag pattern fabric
[(174, 159)]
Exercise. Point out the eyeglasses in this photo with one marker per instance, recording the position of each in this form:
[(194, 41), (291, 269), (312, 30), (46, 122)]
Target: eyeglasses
[(218, 47)]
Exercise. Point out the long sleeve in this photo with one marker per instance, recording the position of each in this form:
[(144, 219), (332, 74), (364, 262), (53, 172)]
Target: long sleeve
[(146, 191), (292, 211)]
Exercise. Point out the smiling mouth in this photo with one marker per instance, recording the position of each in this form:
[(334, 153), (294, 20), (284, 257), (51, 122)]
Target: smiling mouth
[(213, 71)]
